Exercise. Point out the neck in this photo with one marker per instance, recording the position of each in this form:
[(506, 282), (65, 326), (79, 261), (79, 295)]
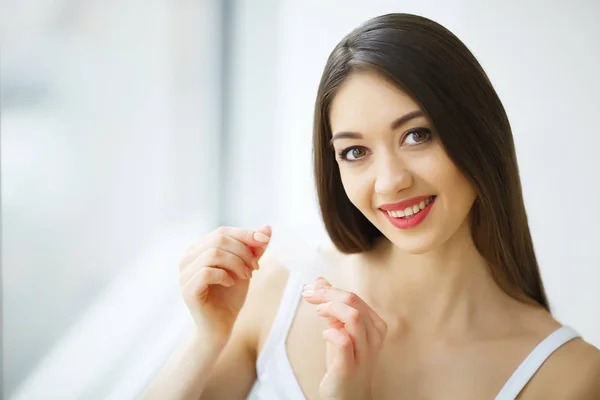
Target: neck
[(433, 292)]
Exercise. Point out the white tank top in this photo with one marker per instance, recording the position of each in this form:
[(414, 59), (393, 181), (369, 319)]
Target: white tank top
[(275, 376)]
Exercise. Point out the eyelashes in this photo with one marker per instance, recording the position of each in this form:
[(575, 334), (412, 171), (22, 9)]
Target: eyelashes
[(421, 135), (413, 137), (343, 155)]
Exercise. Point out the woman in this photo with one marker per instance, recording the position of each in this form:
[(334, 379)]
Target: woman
[(436, 292)]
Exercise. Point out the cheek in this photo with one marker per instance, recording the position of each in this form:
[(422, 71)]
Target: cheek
[(457, 189), (355, 188), (457, 193)]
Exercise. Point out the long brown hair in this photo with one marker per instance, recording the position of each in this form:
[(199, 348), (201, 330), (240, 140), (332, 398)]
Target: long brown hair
[(433, 66)]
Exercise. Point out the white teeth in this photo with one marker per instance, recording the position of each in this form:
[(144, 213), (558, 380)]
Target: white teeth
[(410, 211), (396, 214)]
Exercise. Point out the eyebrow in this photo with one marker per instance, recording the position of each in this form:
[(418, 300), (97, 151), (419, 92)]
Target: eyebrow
[(394, 125)]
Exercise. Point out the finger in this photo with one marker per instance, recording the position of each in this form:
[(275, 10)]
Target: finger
[(380, 325), (376, 330), (217, 257), (322, 282), (258, 238), (236, 247), (267, 231), (355, 324), (340, 351), (375, 337), (323, 294), (333, 322), (197, 285), (225, 242)]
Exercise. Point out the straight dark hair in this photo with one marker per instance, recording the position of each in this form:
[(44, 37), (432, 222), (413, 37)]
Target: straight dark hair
[(428, 62)]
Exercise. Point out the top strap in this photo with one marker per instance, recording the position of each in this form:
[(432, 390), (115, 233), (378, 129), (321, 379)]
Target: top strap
[(534, 361), (283, 320)]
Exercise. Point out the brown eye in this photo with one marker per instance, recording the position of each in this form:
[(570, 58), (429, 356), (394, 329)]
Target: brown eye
[(358, 152), (353, 153), (416, 136)]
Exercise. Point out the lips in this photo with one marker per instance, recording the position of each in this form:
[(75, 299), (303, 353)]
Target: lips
[(403, 205), (410, 211), (410, 216)]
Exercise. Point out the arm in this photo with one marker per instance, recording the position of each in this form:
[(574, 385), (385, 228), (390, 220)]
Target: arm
[(185, 374), (587, 385), (572, 372), (214, 276), (235, 371), (200, 371)]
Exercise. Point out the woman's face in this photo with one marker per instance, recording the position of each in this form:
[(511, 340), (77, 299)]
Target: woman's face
[(393, 166)]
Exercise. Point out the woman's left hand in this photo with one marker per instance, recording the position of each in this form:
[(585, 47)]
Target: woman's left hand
[(354, 338)]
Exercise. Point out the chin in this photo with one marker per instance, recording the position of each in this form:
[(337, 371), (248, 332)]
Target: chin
[(414, 245)]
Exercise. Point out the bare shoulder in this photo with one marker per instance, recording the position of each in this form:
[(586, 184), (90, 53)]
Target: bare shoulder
[(262, 301), (329, 251), (269, 280), (266, 290), (571, 372)]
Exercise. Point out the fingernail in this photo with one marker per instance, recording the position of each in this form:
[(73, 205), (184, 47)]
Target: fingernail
[(249, 273), (308, 293), (309, 287), (323, 306), (261, 237)]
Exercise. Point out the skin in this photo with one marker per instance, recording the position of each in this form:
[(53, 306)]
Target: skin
[(417, 317)]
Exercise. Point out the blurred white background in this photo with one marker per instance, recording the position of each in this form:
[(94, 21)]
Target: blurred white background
[(131, 128)]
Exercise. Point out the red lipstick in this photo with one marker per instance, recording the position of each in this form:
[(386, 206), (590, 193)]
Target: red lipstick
[(411, 221), (402, 205)]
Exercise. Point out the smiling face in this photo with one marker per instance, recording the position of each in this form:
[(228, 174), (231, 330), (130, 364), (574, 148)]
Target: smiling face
[(393, 166)]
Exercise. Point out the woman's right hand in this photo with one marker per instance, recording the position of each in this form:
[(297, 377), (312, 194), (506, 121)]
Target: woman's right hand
[(214, 275)]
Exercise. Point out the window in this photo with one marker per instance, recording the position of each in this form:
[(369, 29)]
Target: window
[(110, 120)]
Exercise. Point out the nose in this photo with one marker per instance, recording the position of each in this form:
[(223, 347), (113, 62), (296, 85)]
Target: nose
[(392, 176)]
